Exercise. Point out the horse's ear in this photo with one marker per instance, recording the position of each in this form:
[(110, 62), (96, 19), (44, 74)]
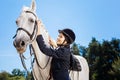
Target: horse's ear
[(33, 6)]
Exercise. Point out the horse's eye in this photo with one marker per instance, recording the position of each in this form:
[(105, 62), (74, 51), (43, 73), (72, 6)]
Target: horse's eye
[(31, 20)]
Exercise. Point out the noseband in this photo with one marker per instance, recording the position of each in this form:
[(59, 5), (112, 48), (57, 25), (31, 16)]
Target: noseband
[(32, 38), (28, 33)]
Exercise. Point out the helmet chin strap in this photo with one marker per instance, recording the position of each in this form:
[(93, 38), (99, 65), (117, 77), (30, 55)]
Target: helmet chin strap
[(63, 43)]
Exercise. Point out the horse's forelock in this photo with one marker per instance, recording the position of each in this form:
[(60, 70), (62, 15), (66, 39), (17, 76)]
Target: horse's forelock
[(25, 8)]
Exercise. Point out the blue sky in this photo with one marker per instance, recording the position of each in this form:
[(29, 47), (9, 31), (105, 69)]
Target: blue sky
[(87, 18)]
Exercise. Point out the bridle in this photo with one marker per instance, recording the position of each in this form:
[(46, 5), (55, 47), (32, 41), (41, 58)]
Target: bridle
[(32, 38), (33, 35)]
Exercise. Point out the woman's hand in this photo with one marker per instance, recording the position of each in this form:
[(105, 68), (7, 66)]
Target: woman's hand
[(39, 26), (52, 42)]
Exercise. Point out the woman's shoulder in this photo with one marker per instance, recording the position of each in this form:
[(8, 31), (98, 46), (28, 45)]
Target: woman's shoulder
[(63, 48)]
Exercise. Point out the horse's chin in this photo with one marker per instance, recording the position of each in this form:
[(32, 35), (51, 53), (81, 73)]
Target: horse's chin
[(21, 50)]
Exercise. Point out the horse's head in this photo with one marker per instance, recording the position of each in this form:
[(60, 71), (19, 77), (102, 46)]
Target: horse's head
[(27, 28)]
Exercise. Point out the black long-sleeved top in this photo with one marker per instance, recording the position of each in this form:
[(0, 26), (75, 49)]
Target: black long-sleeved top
[(61, 56)]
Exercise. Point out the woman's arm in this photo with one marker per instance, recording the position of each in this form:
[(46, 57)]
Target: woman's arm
[(51, 41), (47, 50), (60, 53)]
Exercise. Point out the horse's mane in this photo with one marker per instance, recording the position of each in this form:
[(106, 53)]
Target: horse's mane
[(44, 33)]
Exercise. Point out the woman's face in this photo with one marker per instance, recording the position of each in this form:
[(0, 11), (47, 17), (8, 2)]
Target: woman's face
[(61, 39)]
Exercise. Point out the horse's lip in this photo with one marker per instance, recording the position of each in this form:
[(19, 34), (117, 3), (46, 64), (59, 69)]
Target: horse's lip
[(21, 50)]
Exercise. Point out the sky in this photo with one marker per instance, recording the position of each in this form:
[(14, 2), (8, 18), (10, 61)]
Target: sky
[(87, 18)]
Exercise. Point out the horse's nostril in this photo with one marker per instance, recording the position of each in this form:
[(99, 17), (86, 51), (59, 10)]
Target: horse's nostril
[(22, 43)]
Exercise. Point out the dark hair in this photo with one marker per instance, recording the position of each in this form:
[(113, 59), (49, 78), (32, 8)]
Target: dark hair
[(67, 39)]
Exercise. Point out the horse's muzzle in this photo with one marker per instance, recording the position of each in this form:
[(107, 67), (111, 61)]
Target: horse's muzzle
[(20, 46)]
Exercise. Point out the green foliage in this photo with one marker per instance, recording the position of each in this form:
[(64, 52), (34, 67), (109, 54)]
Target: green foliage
[(4, 75), (83, 51), (75, 49), (29, 76), (116, 70), (7, 76), (17, 78), (103, 59), (17, 74)]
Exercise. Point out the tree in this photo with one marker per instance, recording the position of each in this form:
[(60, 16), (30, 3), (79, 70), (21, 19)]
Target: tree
[(17, 72), (7, 76), (4, 75), (102, 58), (116, 70), (83, 51), (75, 49), (29, 76), (93, 50)]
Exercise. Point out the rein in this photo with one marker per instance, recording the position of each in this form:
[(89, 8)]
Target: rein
[(32, 36), (37, 60)]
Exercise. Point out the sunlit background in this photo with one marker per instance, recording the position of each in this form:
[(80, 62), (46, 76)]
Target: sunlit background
[(87, 18)]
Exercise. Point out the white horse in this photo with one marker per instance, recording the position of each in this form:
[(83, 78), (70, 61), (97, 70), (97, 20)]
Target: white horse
[(26, 35)]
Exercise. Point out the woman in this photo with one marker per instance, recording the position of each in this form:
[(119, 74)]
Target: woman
[(61, 55)]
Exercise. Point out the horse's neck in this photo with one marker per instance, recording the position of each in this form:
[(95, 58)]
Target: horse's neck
[(38, 54), (42, 62)]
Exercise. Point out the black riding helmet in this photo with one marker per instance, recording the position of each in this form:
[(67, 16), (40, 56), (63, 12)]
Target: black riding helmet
[(69, 34)]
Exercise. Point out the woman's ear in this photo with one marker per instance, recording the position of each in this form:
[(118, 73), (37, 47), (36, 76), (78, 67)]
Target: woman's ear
[(65, 42)]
